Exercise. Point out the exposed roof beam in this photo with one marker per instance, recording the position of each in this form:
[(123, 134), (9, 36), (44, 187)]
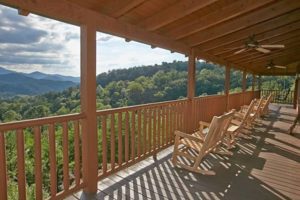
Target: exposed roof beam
[(257, 29), (205, 56), (242, 22), (68, 12), (23, 12), (266, 37), (220, 15), (121, 7), (173, 13)]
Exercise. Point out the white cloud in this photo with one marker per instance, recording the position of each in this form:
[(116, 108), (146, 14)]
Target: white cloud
[(36, 43)]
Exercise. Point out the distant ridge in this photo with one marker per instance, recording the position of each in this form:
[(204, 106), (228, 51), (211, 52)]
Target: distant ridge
[(53, 77), (14, 83)]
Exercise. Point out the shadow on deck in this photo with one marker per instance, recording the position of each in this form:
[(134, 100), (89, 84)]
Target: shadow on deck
[(267, 166)]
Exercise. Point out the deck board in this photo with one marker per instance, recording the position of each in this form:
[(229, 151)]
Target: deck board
[(265, 166)]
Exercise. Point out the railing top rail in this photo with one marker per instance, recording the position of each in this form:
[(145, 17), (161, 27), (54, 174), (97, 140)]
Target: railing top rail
[(40, 121), (137, 107), (210, 96)]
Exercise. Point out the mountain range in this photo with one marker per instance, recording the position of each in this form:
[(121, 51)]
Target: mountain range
[(14, 83)]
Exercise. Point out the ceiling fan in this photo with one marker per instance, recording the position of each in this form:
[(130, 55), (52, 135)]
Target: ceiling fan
[(252, 43), (271, 65)]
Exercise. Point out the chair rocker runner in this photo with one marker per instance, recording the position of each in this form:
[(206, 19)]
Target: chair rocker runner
[(202, 145)]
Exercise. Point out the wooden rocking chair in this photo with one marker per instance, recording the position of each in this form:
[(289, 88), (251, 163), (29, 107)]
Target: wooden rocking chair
[(203, 145), (239, 121), (265, 105)]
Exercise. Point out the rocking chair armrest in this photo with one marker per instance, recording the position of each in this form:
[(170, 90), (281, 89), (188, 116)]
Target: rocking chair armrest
[(190, 137), (244, 107), (238, 115)]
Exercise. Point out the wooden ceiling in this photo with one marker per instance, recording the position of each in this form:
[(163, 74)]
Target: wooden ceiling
[(215, 29)]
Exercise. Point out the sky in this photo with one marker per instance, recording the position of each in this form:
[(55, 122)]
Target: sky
[(35, 43)]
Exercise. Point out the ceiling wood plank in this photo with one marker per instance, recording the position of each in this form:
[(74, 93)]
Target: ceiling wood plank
[(257, 29), (242, 22), (263, 38), (218, 16), (293, 50), (72, 13), (256, 55), (175, 12)]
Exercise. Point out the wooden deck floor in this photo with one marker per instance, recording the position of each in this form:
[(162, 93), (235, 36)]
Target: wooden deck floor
[(267, 166)]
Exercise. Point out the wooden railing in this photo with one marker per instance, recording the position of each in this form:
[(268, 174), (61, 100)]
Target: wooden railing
[(47, 151), (207, 107), (280, 96), (41, 155), (127, 135)]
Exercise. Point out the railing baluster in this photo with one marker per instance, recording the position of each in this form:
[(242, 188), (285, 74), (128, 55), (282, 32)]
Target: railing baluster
[(120, 145), (104, 147), (145, 131), (112, 141), (168, 125), (163, 126), (154, 128), (126, 137), (52, 157), (139, 133), (77, 151), (3, 178), (132, 135), (21, 164), (149, 130), (66, 180), (38, 163), (159, 116)]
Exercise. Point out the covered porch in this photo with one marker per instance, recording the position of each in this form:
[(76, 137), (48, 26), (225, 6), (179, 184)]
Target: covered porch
[(106, 142)]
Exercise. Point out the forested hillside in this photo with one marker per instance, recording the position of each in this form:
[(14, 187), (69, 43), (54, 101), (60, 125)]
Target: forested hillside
[(133, 86)]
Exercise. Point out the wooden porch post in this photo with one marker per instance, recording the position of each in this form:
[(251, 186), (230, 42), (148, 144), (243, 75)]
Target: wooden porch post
[(253, 82), (295, 93), (259, 85), (191, 91), (227, 86), (88, 108), (253, 85), (244, 85)]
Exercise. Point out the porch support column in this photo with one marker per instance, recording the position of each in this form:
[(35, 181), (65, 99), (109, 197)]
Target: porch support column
[(227, 86), (296, 93), (244, 85), (253, 82), (259, 85), (88, 108), (253, 85), (191, 91)]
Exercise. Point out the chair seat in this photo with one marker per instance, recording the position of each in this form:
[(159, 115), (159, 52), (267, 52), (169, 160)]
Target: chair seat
[(232, 128), (191, 144)]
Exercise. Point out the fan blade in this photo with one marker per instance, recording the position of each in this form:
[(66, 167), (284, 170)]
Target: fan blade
[(280, 67), (239, 51), (272, 46), (263, 50)]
